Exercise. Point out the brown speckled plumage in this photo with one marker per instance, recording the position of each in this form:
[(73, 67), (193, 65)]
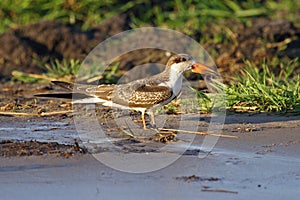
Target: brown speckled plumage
[(141, 94)]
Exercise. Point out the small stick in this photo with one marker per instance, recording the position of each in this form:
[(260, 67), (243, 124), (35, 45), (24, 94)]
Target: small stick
[(199, 133), (279, 44), (127, 132), (17, 114), (55, 112), (20, 74), (216, 190), (245, 108), (96, 78), (36, 114), (40, 77)]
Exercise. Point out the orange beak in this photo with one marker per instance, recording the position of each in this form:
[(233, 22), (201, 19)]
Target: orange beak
[(201, 68)]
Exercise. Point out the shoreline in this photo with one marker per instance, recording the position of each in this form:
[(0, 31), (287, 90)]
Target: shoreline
[(262, 163)]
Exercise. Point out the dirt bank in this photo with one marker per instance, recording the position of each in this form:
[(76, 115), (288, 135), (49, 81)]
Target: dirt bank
[(26, 47)]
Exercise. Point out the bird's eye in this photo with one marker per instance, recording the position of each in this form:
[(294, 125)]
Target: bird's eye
[(183, 59), (177, 60)]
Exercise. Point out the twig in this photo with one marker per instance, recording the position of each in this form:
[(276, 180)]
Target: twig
[(40, 77), (96, 78), (36, 114), (17, 114), (232, 35), (18, 74), (216, 190), (55, 112), (279, 44), (128, 133), (198, 133), (245, 108), (131, 134)]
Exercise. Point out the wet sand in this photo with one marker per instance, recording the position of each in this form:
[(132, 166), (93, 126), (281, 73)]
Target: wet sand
[(263, 163)]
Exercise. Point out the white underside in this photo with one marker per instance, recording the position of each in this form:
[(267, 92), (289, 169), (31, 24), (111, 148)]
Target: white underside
[(107, 103), (175, 83)]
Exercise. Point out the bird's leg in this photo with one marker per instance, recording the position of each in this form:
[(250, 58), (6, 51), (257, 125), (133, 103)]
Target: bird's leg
[(152, 118), (144, 121)]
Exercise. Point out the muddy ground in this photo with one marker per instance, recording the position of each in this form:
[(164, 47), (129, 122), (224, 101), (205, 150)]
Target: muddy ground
[(263, 162), (61, 158)]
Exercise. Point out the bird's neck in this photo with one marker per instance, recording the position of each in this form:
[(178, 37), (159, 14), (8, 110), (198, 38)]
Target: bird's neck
[(174, 80)]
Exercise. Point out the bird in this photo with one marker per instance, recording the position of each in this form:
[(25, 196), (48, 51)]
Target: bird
[(141, 95)]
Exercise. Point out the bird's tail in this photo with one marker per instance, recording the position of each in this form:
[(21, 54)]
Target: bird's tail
[(63, 95), (66, 85), (79, 93)]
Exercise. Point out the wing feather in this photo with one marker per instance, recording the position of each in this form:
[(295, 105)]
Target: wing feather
[(134, 94), (149, 96), (145, 96)]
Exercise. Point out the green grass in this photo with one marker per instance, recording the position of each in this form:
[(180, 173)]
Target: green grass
[(187, 16), (69, 70), (57, 70), (64, 68), (261, 89), (204, 101), (83, 14)]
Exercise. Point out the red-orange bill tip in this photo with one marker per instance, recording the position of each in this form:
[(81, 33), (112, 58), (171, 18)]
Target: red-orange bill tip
[(200, 68)]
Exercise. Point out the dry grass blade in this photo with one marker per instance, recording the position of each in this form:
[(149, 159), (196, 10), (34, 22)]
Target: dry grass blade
[(40, 77), (217, 190), (198, 133), (36, 114), (96, 78), (17, 114), (55, 113)]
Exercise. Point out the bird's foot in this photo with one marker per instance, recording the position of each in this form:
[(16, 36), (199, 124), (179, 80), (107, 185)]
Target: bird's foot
[(164, 136)]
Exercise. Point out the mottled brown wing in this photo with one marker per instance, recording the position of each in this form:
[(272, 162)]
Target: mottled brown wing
[(149, 95), (102, 91)]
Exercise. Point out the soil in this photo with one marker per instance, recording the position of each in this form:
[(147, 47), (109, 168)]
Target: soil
[(10, 148), (46, 155), (23, 48), (26, 47), (263, 162), (19, 108)]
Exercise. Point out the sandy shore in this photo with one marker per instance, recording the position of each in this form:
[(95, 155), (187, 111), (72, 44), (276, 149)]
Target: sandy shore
[(262, 163)]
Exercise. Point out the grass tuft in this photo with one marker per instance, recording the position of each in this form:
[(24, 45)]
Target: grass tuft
[(68, 70), (261, 89), (65, 70)]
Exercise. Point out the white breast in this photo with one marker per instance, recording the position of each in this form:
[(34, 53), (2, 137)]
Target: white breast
[(175, 82)]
